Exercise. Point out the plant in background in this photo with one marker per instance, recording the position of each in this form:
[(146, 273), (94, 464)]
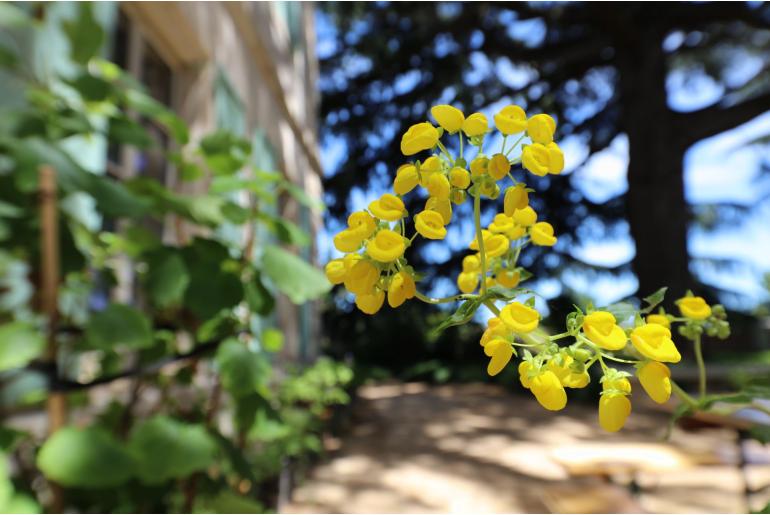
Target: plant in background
[(374, 267), (193, 344)]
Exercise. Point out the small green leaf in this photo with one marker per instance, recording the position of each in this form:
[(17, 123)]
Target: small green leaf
[(287, 232), (167, 277), (462, 315), (85, 458), (93, 89), (272, 340), (20, 343), (85, 35), (166, 449), (260, 300), (242, 371), (125, 130), (294, 276), (622, 311), (119, 324), (653, 300)]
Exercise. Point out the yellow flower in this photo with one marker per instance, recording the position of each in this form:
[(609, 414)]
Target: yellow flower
[(406, 179), (471, 263), (616, 384), (536, 159), (501, 224), (653, 341), (459, 177), (656, 380), (498, 166), (468, 281), (660, 320), (540, 128), (694, 307), (479, 166), (420, 136), (401, 288), (520, 317), (386, 246), (516, 197), (555, 158), (438, 186), (475, 125), (524, 368), (525, 216), (370, 303), (430, 225), (362, 277), (496, 245), (501, 352), (515, 232), (601, 328), (508, 278), (614, 409), (350, 260), (450, 118), (347, 240), (568, 377), (542, 234), (457, 197), (362, 224), (548, 391), (511, 120), (495, 329), (388, 207), (474, 244), (441, 206), (335, 271)]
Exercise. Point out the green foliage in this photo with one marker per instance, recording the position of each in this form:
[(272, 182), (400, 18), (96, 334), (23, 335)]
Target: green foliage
[(20, 343), (118, 325), (293, 276)]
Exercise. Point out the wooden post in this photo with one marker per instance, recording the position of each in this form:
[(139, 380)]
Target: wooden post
[(56, 403)]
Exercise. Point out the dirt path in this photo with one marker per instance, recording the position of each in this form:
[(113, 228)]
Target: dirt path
[(476, 448)]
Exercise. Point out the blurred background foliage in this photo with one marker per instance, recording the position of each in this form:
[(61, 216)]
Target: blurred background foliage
[(208, 418), (648, 84)]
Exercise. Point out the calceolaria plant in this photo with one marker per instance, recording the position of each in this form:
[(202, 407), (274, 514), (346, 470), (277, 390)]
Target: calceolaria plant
[(636, 341)]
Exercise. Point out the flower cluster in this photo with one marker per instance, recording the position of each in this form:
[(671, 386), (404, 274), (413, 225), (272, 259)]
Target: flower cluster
[(374, 267)]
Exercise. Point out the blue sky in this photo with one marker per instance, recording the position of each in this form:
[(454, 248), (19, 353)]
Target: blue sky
[(724, 168)]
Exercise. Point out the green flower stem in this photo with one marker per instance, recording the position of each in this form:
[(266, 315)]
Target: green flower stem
[(460, 134), (684, 396), (480, 239), (491, 305), (701, 367), (559, 336), (445, 151), (502, 148), (514, 145), (442, 300)]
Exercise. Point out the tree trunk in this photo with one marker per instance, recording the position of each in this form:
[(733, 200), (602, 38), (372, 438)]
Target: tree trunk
[(656, 207)]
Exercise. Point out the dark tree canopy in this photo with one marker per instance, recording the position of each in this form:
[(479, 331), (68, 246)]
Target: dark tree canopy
[(600, 68)]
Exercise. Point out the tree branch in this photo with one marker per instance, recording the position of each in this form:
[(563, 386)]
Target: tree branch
[(710, 121)]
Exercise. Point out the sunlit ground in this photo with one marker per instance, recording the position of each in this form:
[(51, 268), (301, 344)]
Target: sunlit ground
[(476, 448)]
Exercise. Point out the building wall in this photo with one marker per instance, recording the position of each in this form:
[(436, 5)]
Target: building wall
[(263, 55)]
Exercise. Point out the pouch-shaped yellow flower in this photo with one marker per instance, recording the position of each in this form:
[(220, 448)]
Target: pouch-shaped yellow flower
[(694, 307), (548, 391), (475, 125), (401, 289), (555, 158), (362, 277), (459, 177), (386, 246), (501, 352), (479, 166), (370, 303), (362, 223), (347, 240), (516, 197), (467, 282), (388, 207), (420, 136), (406, 179), (485, 235), (335, 271), (542, 234), (601, 328), (498, 167), (449, 117), (540, 128), (614, 409), (655, 378), (495, 329), (496, 245), (508, 278), (430, 225), (653, 341), (568, 377), (536, 159), (659, 319), (524, 368), (520, 317), (471, 263), (525, 216), (511, 120), (515, 232), (438, 186), (441, 206), (501, 224)]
